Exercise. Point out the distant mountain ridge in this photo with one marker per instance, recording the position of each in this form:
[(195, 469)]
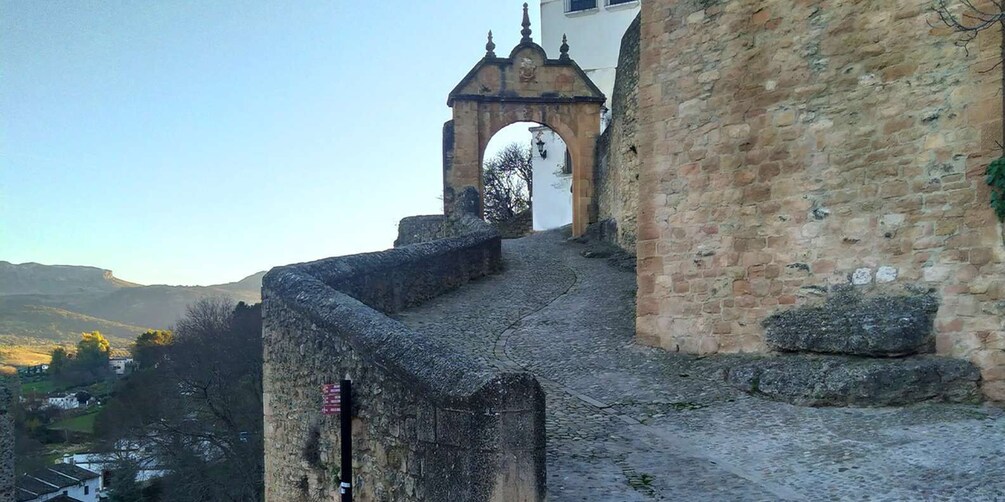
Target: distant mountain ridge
[(45, 304), (37, 279)]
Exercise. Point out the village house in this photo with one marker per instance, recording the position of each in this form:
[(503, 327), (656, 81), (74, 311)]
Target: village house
[(70, 401), (104, 463), (38, 369), (120, 365), (60, 480)]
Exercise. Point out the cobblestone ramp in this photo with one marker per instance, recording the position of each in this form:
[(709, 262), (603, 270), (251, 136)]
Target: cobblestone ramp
[(632, 423)]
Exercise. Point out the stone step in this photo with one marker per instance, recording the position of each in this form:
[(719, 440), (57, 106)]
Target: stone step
[(846, 323), (831, 380)]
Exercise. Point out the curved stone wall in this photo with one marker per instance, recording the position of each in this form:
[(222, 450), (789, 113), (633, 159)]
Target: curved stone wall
[(429, 423)]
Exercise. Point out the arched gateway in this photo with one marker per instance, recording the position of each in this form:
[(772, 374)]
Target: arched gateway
[(524, 87)]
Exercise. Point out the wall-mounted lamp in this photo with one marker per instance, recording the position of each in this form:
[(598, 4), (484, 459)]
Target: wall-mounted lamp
[(540, 148)]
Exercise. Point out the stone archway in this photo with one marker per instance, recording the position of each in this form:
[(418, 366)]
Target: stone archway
[(524, 87)]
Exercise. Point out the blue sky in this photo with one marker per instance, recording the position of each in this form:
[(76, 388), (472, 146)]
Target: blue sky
[(191, 142)]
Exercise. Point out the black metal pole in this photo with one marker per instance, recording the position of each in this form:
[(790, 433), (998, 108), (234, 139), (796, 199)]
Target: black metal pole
[(345, 418)]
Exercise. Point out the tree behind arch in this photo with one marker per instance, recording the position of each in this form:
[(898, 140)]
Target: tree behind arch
[(508, 180)]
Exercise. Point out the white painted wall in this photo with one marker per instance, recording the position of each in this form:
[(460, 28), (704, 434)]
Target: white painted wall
[(91, 487), (69, 402), (594, 43), (98, 462), (77, 491), (551, 201), (118, 364), (594, 36)]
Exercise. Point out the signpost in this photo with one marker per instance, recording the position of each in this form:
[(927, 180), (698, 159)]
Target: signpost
[(337, 399), (331, 398)]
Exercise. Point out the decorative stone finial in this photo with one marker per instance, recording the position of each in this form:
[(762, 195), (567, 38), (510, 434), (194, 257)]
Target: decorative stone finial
[(564, 49), (526, 26), (490, 47)]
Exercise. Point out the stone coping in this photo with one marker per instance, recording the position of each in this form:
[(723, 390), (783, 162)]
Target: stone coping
[(334, 294)]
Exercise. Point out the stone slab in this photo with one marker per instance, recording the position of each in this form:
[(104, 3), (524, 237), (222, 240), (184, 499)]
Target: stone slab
[(820, 380), (847, 323)]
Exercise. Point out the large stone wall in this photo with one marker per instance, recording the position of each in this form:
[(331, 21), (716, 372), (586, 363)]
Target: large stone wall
[(428, 423), (617, 173), (789, 147), (9, 388)]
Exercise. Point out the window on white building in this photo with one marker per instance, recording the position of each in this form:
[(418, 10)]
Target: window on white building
[(619, 2), (580, 5)]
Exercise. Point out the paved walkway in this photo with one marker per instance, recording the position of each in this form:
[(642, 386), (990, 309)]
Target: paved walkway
[(630, 423)]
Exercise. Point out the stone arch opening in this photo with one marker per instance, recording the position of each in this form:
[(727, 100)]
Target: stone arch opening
[(526, 86), (545, 166)]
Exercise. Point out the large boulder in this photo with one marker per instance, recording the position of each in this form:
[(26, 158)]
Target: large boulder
[(820, 380), (847, 323)]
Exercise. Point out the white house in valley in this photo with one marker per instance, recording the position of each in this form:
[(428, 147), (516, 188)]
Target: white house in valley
[(58, 482), (120, 365), (593, 29), (105, 463), (65, 401)]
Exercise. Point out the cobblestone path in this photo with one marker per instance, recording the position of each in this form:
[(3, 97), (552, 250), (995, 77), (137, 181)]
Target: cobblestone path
[(630, 423)]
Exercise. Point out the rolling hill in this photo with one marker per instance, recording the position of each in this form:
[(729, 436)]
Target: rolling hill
[(45, 305)]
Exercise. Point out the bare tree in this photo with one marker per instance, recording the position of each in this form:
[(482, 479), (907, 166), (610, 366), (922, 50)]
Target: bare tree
[(200, 410), (970, 18), (508, 181)]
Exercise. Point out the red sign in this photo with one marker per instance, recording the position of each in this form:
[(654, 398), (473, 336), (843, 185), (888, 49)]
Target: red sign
[(331, 395)]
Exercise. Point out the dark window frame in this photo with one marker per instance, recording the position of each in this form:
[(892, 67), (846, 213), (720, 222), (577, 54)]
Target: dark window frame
[(572, 6)]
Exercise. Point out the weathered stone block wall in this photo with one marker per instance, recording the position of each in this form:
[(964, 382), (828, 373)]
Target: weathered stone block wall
[(425, 228), (617, 174), (429, 423), (790, 146), (9, 391)]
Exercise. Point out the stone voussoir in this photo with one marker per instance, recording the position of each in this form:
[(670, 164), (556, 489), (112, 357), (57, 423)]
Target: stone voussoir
[(846, 323)]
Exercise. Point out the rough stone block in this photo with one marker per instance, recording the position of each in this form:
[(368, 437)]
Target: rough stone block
[(886, 274), (814, 380), (453, 427), (847, 323), (9, 386)]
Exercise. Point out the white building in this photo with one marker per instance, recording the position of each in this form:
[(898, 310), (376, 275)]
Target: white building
[(105, 463), (58, 482), (120, 364), (38, 369), (551, 201), (594, 29), (64, 402)]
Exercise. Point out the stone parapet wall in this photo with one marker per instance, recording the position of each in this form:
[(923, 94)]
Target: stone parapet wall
[(9, 391), (428, 423), (788, 147), (617, 173), (425, 228)]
